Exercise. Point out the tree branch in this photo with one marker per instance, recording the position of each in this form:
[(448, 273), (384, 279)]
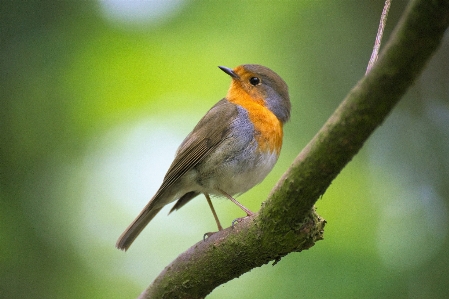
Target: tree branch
[(287, 222)]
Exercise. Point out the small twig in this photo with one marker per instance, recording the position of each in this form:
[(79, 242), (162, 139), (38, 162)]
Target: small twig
[(380, 32)]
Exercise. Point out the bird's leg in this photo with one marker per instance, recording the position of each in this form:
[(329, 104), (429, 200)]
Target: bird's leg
[(207, 235), (213, 211), (246, 210)]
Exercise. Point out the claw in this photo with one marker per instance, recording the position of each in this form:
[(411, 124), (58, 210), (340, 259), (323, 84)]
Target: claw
[(238, 220), (207, 235)]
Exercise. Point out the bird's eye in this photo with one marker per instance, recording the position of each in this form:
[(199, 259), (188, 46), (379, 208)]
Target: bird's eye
[(254, 81)]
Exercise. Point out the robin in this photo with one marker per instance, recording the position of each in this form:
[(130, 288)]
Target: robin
[(232, 148)]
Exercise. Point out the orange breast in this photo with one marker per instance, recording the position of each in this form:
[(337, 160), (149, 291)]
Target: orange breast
[(268, 128)]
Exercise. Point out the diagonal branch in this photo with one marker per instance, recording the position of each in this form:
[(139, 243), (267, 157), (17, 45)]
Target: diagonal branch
[(287, 222)]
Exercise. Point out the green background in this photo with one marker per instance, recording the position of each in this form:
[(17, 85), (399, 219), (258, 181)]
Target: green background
[(95, 98)]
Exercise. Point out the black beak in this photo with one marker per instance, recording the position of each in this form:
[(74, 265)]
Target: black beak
[(229, 72)]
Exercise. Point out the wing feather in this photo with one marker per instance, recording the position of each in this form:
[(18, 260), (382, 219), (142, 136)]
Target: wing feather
[(207, 135)]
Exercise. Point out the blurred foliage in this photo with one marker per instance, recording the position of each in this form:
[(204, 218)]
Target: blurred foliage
[(93, 104)]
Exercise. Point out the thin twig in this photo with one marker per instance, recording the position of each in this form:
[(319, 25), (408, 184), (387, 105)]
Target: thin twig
[(380, 32)]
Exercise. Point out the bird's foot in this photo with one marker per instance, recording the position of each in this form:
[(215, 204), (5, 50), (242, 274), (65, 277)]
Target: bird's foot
[(238, 220), (208, 235)]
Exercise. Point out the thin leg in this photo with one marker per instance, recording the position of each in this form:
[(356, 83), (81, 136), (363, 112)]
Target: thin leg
[(247, 211), (213, 211)]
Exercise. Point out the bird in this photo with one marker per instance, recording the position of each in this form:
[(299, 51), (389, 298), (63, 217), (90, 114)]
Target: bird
[(231, 149)]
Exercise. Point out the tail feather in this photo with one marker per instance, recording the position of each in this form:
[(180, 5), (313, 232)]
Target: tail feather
[(135, 228)]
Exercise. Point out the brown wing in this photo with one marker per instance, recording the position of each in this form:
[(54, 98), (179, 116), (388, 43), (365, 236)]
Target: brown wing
[(211, 130)]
